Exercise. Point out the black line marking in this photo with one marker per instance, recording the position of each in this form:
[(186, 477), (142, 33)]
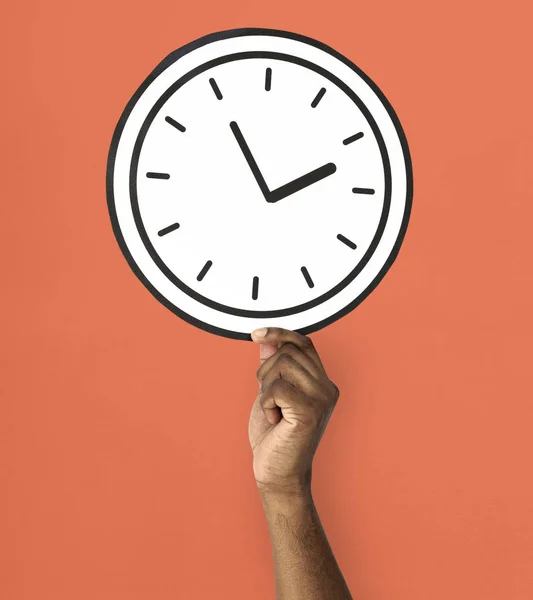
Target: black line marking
[(250, 159), (158, 175), (175, 124), (346, 241), (255, 288), (353, 138), (204, 270), (318, 97), (168, 229), (216, 89), (301, 183), (268, 79), (368, 191), (305, 273)]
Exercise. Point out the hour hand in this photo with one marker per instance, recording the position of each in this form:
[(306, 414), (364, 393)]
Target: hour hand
[(250, 159), (301, 182)]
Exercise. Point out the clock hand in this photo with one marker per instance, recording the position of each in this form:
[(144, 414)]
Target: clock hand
[(301, 183), (285, 190), (249, 159)]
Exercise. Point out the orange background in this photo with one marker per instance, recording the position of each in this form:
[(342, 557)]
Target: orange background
[(125, 466)]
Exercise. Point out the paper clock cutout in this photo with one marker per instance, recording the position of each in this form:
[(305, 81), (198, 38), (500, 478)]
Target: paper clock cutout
[(259, 178)]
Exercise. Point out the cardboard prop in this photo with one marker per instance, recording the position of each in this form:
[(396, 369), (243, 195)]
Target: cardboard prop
[(259, 178)]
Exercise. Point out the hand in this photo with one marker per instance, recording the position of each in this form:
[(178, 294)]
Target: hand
[(290, 413), (285, 190), (302, 182), (249, 158)]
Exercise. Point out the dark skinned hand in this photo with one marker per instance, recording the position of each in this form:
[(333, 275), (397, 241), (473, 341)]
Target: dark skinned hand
[(291, 411)]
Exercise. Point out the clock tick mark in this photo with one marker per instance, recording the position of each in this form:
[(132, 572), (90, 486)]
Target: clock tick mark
[(368, 191), (216, 89), (318, 97), (157, 175), (346, 241), (307, 277), (175, 124), (168, 229), (255, 288), (204, 270), (353, 138), (268, 79)]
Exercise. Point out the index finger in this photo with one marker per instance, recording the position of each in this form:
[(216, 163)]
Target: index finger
[(277, 336)]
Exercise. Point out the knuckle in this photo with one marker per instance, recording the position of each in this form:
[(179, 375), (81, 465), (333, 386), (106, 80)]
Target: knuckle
[(336, 392), (307, 342), (279, 388), (289, 347), (285, 359), (277, 384)]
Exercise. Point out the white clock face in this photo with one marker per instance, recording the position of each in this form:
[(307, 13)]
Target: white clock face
[(257, 178)]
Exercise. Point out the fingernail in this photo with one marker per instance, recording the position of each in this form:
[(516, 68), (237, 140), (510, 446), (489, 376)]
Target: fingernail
[(260, 333)]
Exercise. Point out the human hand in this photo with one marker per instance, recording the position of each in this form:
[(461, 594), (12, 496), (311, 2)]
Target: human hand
[(291, 411)]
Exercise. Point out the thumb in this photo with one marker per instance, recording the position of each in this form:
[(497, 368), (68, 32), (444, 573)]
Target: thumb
[(265, 350)]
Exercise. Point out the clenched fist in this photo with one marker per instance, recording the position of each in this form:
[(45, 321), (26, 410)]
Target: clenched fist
[(291, 411)]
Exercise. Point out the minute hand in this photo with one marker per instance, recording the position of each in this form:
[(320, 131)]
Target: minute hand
[(301, 183)]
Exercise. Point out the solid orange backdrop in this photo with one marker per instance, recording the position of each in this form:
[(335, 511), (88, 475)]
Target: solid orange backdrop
[(125, 467)]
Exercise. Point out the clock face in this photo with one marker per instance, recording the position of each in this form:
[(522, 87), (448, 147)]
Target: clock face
[(258, 178)]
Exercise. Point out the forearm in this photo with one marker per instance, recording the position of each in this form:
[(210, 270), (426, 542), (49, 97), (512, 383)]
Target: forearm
[(304, 564)]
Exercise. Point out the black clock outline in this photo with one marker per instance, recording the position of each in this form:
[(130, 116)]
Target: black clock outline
[(170, 59), (240, 312)]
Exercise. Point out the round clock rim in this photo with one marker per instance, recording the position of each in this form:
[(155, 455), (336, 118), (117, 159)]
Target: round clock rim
[(158, 260), (172, 58)]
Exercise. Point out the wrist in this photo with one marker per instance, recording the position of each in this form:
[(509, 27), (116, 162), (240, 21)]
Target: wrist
[(286, 487), (286, 500)]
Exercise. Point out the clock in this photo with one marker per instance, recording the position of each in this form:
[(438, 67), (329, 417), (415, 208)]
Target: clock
[(259, 178)]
